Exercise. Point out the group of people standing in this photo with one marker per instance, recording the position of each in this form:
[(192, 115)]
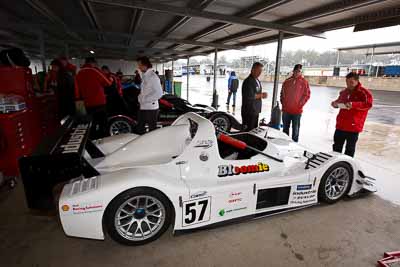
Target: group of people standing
[(96, 91), (94, 87), (354, 102)]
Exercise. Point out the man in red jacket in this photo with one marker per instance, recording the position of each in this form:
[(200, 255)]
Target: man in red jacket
[(294, 95), (354, 102), (89, 87)]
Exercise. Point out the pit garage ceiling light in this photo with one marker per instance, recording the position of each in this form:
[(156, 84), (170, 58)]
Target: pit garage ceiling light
[(91, 52)]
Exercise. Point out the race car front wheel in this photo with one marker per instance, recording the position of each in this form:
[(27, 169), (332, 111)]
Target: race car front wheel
[(335, 183), (138, 216), (119, 125), (221, 122)]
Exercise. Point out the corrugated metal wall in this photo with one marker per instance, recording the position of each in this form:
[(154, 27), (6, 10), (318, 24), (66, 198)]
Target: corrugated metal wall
[(127, 67)]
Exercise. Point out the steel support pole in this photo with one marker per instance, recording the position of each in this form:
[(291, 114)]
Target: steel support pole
[(215, 95), (66, 47), (277, 70), (172, 81), (163, 69), (187, 79), (338, 58), (42, 50), (370, 63)]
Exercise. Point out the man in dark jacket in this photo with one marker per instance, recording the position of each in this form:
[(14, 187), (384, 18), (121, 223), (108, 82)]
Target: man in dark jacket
[(252, 96), (354, 102), (294, 95), (233, 84), (62, 83)]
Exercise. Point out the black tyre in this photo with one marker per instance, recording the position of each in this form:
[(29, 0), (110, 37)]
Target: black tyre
[(335, 183), (138, 216), (120, 125), (221, 122)]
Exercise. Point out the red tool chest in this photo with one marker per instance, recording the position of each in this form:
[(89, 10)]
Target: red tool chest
[(15, 141), (22, 131)]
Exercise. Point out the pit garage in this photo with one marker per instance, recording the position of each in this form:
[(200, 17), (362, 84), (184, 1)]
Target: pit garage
[(191, 192)]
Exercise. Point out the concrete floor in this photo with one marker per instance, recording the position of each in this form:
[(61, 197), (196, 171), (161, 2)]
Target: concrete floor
[(349, 233)]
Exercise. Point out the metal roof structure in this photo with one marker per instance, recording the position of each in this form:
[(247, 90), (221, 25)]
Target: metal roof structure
[(171, 29), (374, 49)]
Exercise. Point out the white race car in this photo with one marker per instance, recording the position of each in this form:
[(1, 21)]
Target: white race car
[(134, 187)]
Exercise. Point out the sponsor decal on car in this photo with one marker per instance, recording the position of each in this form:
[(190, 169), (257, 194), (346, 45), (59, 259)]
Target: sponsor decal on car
[(75, 140), (84, 208), (304, 197), (235, 200), (223, 212), (235, 194), (230, 170), (198, 194), (304, 187), (204, 144)]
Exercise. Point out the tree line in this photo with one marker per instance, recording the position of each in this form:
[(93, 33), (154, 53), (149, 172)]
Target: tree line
[(310, 58)]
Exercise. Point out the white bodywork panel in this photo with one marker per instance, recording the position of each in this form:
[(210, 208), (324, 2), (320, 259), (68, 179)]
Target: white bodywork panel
[(187, 170)]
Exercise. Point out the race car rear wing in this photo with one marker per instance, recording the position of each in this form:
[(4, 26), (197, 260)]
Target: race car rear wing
[(58, 159)]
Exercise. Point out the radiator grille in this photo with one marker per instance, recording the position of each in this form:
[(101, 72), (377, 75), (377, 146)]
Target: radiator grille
[(319, 160), (84, 185)]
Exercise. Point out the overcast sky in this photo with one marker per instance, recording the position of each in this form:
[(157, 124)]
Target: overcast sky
[(334, 39)]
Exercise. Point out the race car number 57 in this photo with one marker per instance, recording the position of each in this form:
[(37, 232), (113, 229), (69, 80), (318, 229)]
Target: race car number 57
[(196, 211)]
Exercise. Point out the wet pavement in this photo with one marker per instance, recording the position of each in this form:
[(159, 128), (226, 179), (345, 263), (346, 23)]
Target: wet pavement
[(377, 148)]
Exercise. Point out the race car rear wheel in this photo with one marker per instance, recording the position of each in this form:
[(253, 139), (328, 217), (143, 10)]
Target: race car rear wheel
[(221, 122), (335, 183), (119, 125), (138, 216)]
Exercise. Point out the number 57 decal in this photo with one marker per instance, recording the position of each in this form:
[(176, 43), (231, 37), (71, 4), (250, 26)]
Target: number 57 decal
[(196, 211)]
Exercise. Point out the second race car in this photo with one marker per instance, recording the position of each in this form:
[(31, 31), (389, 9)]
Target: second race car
[(171, 107)]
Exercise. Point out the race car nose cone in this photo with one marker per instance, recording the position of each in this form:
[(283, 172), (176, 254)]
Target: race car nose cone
[(139, 214)]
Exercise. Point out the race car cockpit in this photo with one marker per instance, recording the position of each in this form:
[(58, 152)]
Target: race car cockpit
[(229, 151), (241, 146)]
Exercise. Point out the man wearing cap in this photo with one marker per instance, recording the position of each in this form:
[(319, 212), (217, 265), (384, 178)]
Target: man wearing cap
[(252, 96), (294, 95)]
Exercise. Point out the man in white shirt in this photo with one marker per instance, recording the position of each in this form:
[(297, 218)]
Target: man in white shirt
[(150, 93)]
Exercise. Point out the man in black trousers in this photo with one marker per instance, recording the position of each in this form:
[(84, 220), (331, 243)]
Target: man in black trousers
[(252, 96)]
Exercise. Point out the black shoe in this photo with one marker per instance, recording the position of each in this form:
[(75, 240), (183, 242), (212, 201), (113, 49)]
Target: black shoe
[(233, 106)]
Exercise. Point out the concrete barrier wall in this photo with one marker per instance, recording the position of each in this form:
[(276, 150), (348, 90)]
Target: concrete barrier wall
[(372, 83)]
